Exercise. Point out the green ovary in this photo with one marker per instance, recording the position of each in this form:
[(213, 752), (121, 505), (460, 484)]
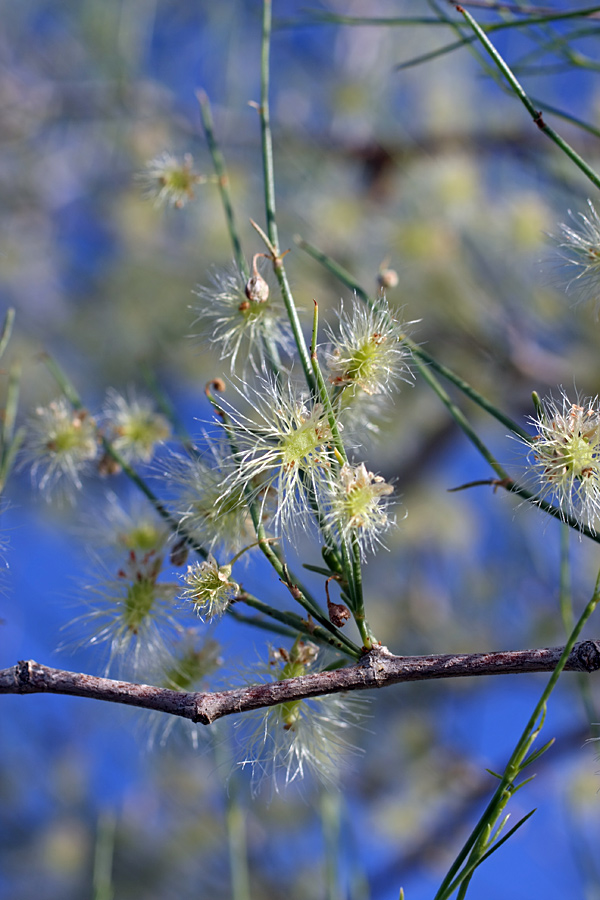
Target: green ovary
[(299, 445), (579, 457), (363, 362)]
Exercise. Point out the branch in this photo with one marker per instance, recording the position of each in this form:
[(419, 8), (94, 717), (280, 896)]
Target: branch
[(377, 669)]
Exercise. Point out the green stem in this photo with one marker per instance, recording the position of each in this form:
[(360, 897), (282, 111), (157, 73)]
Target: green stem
[(525, 100), (223, 182), (269, 187), (516, 762), (298, 624), (466, 389)]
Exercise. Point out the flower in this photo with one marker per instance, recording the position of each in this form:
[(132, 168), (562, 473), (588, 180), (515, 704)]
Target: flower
[(242, 314), (214, 515), (367, 352), (565, 455), (131, 614), (137, 527), (133, 426), (187, 669), (209, 587), (60, 445), (286, 451), (359, 502), (169, 181), (302, 736), (581, 248)]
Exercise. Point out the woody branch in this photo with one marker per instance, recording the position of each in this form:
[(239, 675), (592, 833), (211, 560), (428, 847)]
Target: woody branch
[(376, 669)]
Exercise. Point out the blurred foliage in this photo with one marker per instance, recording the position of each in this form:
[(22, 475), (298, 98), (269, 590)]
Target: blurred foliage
[(432, 170)]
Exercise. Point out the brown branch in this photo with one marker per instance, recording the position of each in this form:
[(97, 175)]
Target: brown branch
[(377, 669)]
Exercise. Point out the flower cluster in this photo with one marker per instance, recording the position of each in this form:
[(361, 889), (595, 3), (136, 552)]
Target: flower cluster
[(62, 443), (565, 456), (300, 737)]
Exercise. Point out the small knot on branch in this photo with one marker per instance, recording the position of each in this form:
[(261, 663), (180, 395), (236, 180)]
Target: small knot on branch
[(587, 656)]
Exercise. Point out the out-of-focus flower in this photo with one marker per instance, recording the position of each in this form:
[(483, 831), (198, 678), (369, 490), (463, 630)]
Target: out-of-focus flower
[(60, 445), (133, 426), (565, 456), (581, 248), (170, 181), (285, 449), (132, 615), (209, 587), (367, 350), (241, 317), (212, 514), (359, 505), (300, 737), (137, 527), (188, 669)]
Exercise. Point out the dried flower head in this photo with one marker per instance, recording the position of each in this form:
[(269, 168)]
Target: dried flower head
[(133, 426), (241, 317), (284, 451), (209, 587), (359, 505), (60, 445), (565, 456), (302, 736), (367, 351), (581, 248), (169, 181)]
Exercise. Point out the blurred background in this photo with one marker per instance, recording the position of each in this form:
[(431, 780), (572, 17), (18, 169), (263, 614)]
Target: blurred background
[(430, 169)]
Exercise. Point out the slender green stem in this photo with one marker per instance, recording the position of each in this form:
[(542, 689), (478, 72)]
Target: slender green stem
[(103, 857), (517, 761), (298, 624), (223, 182), (467, 389), (7, 327), (461, 419), (525, 100), (568, 618), (269, 187)]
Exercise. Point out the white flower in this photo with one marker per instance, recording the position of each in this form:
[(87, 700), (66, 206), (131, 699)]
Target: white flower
[(209, 587), (60, 445), (359, 503), (240, 318), (300, 737), (581, 248), (565, 456), (284, 450), (131, 615), (212, 514), (367, 352), (133, 426), (169, 181), (188, 669)]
